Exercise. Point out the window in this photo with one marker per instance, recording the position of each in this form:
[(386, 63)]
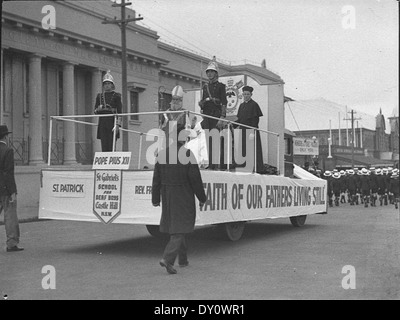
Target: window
[(164, 101), (134, 99), (288, 147)]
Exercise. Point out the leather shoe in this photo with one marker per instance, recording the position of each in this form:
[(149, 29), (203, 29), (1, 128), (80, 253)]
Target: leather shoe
[(14, 249), (168, 266)]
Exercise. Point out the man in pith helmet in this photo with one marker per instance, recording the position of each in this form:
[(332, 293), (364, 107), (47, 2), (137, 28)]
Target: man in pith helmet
[(213, 103), (108, 102)]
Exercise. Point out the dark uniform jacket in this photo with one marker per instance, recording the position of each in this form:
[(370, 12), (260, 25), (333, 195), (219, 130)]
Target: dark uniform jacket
[(177, 185), (394, 186), (213, 102), (373, 180), (352, 182), (382, 187), (336, 185), (111, 105), (365, 183), (7, 179)]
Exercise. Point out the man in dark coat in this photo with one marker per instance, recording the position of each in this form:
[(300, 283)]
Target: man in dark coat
[(352, 186), (381, 186), (249, 114), (374, 186), (213, 103), (365, 186), (394, 188), (108, 102), (177, 182), (336, 185), (328, 177), (8, 192)]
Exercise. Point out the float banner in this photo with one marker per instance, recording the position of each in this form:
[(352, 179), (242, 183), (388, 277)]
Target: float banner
[(230, 197), (107, 194), (111, 161)]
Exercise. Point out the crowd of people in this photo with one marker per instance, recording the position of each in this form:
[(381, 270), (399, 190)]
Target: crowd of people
[(362, 186)]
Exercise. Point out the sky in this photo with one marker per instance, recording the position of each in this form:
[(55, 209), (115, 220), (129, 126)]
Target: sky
[(345, 51)]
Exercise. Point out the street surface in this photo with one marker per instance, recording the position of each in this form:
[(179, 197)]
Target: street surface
[(272, 260)]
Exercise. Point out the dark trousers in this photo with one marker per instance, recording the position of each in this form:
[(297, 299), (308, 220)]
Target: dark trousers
[(176, 247), (107, 142), (10, 220)]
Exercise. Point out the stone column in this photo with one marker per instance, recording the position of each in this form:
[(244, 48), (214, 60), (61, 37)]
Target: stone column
[(35, 110), (69, 109), (96, 88)]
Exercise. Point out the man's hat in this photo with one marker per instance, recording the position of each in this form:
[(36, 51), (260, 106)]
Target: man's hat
[(3, 131), (336, 175), (213, 65), (177, 92), (247, 88), (327, 173), (108, 77)]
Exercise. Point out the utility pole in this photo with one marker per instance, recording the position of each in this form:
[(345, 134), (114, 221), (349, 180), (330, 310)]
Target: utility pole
[(122, 25), (353, 135)]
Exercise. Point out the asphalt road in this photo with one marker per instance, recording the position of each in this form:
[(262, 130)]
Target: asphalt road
[(272, 260)]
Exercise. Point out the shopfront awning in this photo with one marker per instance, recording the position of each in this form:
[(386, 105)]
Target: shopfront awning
[(361, 160)]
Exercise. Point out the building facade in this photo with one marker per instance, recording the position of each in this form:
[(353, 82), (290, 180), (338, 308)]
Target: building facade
[(58, 71)]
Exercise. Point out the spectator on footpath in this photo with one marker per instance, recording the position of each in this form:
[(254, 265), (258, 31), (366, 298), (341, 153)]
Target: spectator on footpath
[(8, 192), (176, 182)]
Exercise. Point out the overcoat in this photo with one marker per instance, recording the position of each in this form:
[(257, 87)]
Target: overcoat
[(249, 114), (7, 179), (177, 184)]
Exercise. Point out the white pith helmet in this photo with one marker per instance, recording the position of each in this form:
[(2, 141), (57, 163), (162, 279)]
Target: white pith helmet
[(108, 77)]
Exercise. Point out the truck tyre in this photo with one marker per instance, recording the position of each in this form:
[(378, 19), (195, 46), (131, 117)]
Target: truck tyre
[(298, 221), (233, 230)]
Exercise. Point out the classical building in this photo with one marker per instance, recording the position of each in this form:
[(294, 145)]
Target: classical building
[(58, 70), (53, 57)]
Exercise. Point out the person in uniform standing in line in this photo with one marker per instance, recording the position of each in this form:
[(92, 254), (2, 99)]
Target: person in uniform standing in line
[(176, 182), (352, 187), (394, 188), (8, 192), (365, 186), (328, 177), (108, 102), (249, 114), (213, 103)]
